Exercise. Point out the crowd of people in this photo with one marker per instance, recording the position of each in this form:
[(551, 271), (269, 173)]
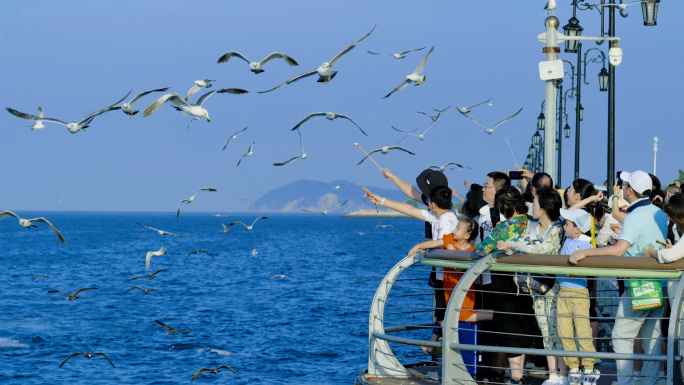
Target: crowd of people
[(639, 219)]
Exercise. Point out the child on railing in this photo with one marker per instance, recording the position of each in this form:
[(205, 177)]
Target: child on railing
[(573, 301)]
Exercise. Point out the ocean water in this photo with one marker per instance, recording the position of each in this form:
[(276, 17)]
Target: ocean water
[(313, 331)]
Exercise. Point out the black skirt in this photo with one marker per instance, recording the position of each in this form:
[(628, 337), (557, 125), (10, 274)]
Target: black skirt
[(513, 330)]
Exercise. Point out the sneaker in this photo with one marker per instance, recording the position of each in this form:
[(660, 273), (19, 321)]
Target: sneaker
[(591, 377), (574, 376), (555, 380)]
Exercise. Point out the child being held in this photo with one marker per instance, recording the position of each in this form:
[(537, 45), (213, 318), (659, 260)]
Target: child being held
[(573, 300)]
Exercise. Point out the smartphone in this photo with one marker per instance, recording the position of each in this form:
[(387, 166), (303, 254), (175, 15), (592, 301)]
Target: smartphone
[(619, 180), (515, 175), (661, 243)]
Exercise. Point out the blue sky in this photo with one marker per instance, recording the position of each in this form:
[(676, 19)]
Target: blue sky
[(75, 57)]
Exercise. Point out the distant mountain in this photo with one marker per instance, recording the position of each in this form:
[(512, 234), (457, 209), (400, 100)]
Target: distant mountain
[(316, 195)]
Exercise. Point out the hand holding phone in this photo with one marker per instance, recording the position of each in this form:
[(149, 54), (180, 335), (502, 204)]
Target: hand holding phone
[(661, 243), (515, 175)]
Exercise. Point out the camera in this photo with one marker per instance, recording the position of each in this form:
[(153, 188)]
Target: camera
[(615, 54)]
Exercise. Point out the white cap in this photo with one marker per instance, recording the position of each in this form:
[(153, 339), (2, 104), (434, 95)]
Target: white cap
[(639, 181), (581, 218)]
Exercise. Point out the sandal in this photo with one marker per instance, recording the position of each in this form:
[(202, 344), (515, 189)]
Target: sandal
[(427, 350)]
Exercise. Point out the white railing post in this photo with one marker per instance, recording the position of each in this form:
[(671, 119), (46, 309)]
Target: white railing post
[(673, 335)]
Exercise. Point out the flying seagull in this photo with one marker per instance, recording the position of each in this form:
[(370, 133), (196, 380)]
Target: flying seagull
[(39, 123), (466, 110), (225, 229), (151, 276), (213, 371), (433, 117), (330, 116), (60, 201), (233, 137), (421, 136), (161, 232), (415, 76), (383, 226), (72, 127), (360, 233), (145, 291), (337, 187), (88, 355), (206, 83), (28, 223), (170, 329), (384, 151), (281, 276), (399, 55), (324, 72), (197, 252), (248, 153), (441, 168), (149, 255), (303, 156), (40, 276), (326, 211), (255, 66), (254, 252), (128, 109), (192, 198), (247, 227), (491, 130), (183, 105), (75, 296)]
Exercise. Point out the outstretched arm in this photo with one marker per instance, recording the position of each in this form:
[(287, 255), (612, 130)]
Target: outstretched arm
[(581, 204), (402, 207), (454, 193), (426, 245), (617, 250), (406, 188)]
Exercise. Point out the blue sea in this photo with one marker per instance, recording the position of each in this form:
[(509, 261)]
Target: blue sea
[(313, 331)]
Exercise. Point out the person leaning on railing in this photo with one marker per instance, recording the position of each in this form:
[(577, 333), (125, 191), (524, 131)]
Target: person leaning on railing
[(542, 235), (674, 209), (643, 226), (511, 312)]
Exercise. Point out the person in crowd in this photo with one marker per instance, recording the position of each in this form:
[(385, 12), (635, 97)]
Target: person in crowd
[(573, 300), (543, 235), (537, 181), (644, 225), (671, 190), (474, 202), (511, 312)]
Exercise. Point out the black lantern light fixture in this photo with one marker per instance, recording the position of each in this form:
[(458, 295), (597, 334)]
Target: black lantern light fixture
[(581, 113), (528, 161), (567, 130), (603, 79), (532, 149), (573, 29), (541, 122), (557, 144), (650, 10), (536, 138)]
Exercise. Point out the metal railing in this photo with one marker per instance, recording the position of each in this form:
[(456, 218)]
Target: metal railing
[(403, 307)]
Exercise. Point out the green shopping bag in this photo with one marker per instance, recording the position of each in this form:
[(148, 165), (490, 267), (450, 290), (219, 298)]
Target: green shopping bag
[(646, 294)]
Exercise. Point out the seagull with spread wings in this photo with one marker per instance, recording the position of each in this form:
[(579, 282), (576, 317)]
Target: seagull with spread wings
[(199, 84), (128, 109), (192, 198), (213, 371), (255, 66), (466, 110), (385, 150), (441, 168), (225, 229), (384, 226), (421, 136), (233, 137), (283, 276), (145, 291), (249, 228), (326, 211), (248, 153), (194, 109), (169, 329), (40, 276), (150, 254), (28, 223), (197, 252), (39, 123), (491, 130), (161, 232), (87, 355), (433, 117), (325, 72), (75, 295), (73, 127), (415, 77), (399, 55), (151, 276), (330, 116), (303, 156)]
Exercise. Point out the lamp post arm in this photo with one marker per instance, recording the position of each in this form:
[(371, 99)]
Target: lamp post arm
[(595, 60), (572, 76)]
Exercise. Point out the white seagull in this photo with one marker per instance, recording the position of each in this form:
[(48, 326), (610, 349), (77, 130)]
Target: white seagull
[(433, 117), (415, 76), (39, 123), (330, 116), (384, 151), (421, 136), (283, 276), (337, 187), (225, 229), (182, 105), (441, 168), (550, 6), (303, 156), (383, 226), (249, 153), (255, 66), (491, 130), (192, 198), (206, 83), (28, 223), (161, 232), (324, 72), (233, 137), (73, 127), (326, 211), (149, 255), (254, 252), (466, 110), (247, 227), (399, 55), (128, 109)]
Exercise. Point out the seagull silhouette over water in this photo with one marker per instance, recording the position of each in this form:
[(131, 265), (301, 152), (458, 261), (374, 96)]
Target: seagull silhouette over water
[(213, 371), (75, 295), (151, 276), (88, 355), (171, 330)]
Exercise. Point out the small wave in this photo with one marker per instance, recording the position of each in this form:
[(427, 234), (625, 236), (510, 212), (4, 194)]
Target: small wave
[(8, 343), (221, 352)]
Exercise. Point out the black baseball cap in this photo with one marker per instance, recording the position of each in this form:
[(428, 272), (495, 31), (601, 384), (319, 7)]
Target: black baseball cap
[(429, 179)]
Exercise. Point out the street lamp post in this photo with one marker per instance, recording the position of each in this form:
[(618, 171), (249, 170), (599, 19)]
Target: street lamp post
[(578, 110), (655, 152), (551, 50), (560, 134)]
